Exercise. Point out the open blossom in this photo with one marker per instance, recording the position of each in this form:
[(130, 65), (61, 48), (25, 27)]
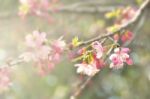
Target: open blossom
[(99, 49), (58, 47), (126, 15), (93, 62), (36, 39), (4, 79), (37, 50), (119, 57), (90, 68), (87, 69), (116, 37), (98, 62), (126, 36)]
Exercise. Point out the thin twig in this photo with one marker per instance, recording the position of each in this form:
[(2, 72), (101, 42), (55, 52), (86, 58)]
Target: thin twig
[(11, 63)]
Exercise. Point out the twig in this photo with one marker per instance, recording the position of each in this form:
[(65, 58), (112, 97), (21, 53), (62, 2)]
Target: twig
[(81, 88), (11, 63), (135, 18)]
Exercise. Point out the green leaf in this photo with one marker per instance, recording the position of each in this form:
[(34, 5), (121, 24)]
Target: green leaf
[(113, 14), (75, 41)]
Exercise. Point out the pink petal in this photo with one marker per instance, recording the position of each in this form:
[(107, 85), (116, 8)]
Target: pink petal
[(125, 50), (117, 50), (116, 37), (96, 45), (129, 61), (51, 66)]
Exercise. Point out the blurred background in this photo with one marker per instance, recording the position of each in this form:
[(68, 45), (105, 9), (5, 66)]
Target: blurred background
[(131, 82)]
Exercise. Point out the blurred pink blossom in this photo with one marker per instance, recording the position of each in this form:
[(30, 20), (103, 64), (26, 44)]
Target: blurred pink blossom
[(4, 78), (126, 15), (126, 36), (36, 39), (38, 8), (37, 50), (58, 47), (45, 55), (99, 49)]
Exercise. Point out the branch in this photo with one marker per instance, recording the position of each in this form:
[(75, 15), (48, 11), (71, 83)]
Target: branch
[(87, 9), (123, 26), (133, 20), (11, 63)]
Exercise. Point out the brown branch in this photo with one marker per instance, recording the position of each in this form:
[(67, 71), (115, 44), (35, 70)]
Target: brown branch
[(79, 7), (134, 19), (10, 63), (123, 26), (87, 9)]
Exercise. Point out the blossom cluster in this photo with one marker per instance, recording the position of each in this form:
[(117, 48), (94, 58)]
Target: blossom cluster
[(92, 58), (38, 7), (125, 37), (45, 55), (93, 61), (122, 16), (126, 15), (5, 81)]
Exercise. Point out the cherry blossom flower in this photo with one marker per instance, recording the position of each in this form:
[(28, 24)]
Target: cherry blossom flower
[(36, 39), (116, 37), (99, 49), (44, 67), (58, 47), (38, 7), (99, 62), (87, 69), (81, 51), (126, 15), (90, 68), (54, 56), (37, 50), (26, 7), (93, 60), (4, 78), (126, 36), (119, 57)]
